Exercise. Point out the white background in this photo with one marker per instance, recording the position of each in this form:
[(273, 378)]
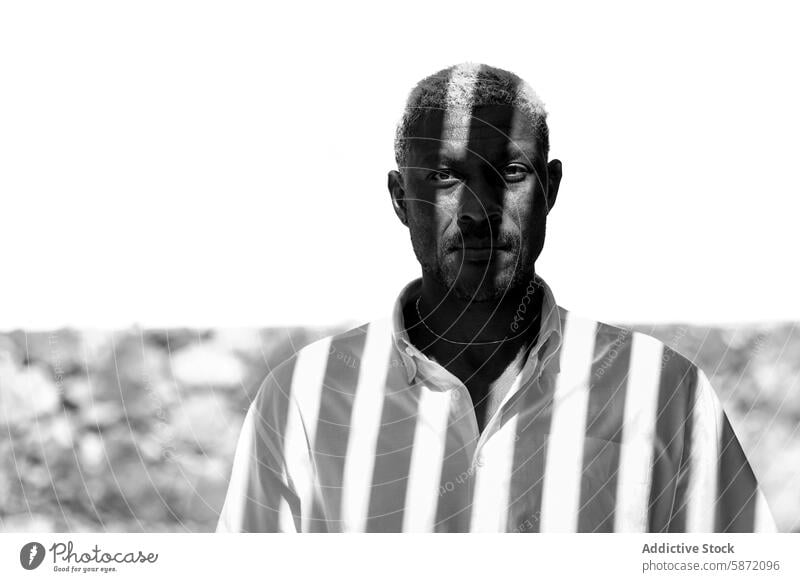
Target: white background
[(197, 163)]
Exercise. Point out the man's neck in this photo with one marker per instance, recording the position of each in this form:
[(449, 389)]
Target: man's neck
[(475, 341)]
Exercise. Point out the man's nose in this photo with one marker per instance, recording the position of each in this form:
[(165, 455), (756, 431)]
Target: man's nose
[(480, 205)]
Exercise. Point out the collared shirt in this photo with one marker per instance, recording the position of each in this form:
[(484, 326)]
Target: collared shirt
[(603, 430), (423, 369)]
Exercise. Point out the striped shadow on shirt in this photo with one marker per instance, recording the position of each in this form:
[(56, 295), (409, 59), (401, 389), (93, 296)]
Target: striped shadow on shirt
[(605, 463), (393, 454), (700, 494), (232, 516), (531, 445), (721, 493), (456, 483), (259, 499), (764, 521), (333, 426), (737, 489), (307, 381), (528, 466), (492, 493), (376, 365), (673, 427), (425, 468), (564, 455), (604, 429), (636, 472)]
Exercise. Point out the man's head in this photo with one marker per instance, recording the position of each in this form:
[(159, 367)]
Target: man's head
[(474, 185)]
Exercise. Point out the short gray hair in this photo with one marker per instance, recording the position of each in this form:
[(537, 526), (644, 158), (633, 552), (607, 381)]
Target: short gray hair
[(468, 85)]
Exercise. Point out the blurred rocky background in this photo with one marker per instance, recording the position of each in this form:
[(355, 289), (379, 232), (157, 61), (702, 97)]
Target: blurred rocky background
[(135, 430)]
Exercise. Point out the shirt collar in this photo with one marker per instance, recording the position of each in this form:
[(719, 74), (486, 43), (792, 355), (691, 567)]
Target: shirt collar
[(541, 354)]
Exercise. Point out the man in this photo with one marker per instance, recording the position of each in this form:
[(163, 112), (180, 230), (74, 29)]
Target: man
[(480, 404)]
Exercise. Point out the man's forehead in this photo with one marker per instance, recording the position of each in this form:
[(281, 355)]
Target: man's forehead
[(451, 132)]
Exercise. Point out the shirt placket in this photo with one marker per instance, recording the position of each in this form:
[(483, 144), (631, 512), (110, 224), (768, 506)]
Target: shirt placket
[(436, 377), (473, 439), (467, 422), (508, 402)]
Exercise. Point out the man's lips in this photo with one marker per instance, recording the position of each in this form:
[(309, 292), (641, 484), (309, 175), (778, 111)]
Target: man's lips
[(479, 252), (479, 247)]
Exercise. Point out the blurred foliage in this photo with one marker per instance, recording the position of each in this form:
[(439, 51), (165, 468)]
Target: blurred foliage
[(135, 430)]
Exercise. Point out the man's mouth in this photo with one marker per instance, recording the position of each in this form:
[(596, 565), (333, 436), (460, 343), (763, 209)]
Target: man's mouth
[(481, 252)]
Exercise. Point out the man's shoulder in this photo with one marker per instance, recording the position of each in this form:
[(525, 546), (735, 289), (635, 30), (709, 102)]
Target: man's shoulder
[(625, 344), (330, 359), (346, 346)]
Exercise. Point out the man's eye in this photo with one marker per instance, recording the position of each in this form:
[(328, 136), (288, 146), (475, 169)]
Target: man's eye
[(442, 176), (515, 172)]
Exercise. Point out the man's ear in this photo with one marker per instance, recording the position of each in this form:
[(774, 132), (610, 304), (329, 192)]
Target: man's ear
[(398, 193), (553, 182)]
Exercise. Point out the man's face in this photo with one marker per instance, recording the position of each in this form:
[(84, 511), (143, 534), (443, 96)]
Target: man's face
[(475, 196)]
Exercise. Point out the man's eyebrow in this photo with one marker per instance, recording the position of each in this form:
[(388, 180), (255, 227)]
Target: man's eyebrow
[(520, 147), (438, 156), (437, 152), (526, 150)]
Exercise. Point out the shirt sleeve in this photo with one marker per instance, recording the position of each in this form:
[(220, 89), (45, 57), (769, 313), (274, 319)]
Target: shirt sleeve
[(717, 489), (268, 469)]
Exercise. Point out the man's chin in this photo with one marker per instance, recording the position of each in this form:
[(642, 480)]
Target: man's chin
[(477, 289), (477, 292)]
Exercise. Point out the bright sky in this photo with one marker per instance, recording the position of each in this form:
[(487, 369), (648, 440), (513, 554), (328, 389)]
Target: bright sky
[(219, 163)]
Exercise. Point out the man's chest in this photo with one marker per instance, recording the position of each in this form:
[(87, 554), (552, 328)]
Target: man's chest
[(596, 447), (544, 464)]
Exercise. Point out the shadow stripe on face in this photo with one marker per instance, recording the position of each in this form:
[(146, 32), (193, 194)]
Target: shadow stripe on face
[(486, 184)]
